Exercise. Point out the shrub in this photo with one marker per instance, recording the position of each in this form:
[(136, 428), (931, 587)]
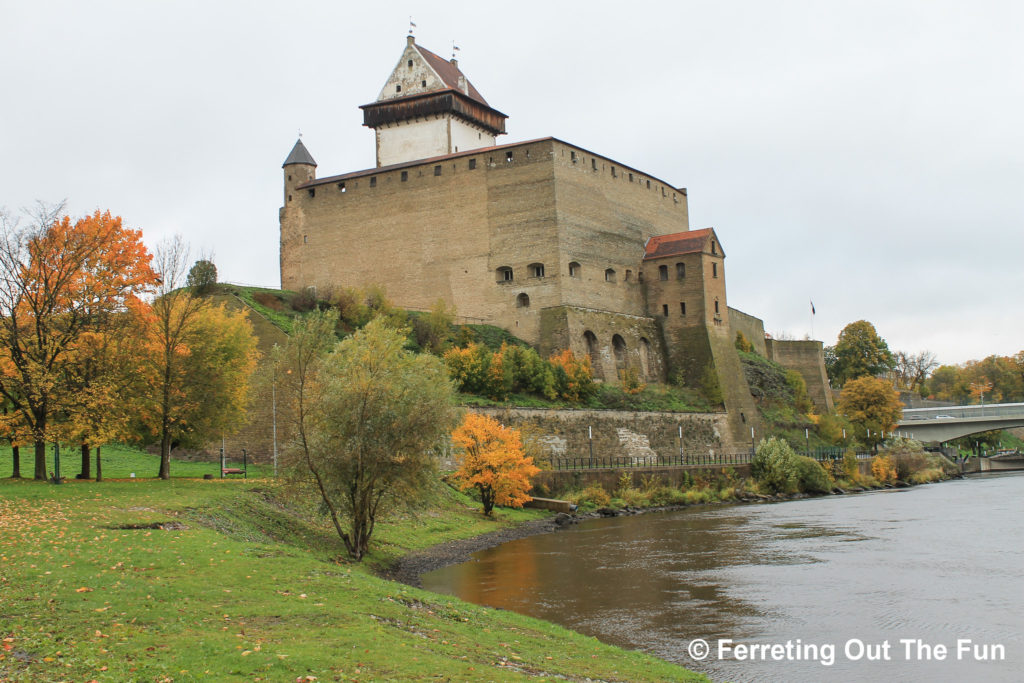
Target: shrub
[(775, 465), (883, 468), (812, 476), (574, 378), (593, 494), (743, 344)]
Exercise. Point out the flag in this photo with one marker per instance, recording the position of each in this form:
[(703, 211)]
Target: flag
[(813, 312)]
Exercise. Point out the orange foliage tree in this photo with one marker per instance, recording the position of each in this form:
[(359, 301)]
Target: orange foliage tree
[(58, 278), (493, 462)]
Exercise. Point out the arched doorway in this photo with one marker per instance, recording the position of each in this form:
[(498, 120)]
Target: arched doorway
[(645, 358), (619, 349)]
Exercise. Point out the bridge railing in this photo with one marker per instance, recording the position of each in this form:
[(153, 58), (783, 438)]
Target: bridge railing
[(912, 415)]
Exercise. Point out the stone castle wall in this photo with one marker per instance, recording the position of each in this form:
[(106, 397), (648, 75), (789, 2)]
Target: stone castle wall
[(808, 358)]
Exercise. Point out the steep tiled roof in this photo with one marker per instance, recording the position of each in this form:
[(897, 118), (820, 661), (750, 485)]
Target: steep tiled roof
[(676, 244), (299, 155), (449, 73)]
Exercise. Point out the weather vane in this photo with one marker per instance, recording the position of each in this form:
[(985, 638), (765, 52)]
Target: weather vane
[(412, 25), (455, 48)]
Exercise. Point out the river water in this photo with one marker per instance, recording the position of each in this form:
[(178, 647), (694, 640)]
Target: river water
[(885, 579)]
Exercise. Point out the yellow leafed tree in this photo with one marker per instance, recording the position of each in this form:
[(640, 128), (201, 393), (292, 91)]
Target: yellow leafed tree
[(493, 462)]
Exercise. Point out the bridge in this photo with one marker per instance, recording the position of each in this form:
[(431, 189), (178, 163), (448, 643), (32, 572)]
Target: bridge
[(953, 422)]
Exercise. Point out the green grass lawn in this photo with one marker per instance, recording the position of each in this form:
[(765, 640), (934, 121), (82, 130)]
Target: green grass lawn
[(121, 462), (242, 586)]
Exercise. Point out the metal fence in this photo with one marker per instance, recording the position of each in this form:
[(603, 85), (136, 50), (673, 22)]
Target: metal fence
[(684, 460)]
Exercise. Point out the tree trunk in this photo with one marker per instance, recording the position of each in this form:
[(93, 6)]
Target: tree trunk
[(165, 456), (40, 460), (16, 457), (85, 473), (99, 465)]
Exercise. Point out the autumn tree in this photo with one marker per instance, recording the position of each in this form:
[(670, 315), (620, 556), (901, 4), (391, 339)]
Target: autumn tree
[(493, 462), (57, 279), (872, 405), (912, 369), (367, 414), (859, 352), (198, 361)]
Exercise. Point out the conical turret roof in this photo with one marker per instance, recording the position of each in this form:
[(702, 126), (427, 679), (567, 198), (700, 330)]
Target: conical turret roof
[(299, 155)]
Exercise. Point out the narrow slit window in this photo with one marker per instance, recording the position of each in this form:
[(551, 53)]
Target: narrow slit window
[(664, 310), (405, 176), (714, 270), (398, 88), (373, 181), (593, 163), (437, 170), (312, 192), (682, 307), (680, 271), (472, 164), (662, 272)]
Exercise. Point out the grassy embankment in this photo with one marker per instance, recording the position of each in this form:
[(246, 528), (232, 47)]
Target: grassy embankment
[(238, 586)]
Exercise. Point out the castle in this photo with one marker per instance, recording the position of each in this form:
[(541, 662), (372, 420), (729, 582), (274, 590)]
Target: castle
[(561, 246)]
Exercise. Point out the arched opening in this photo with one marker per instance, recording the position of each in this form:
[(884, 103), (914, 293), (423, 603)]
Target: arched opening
[(535, 269), (523, 301), (619, 349), (503, 274), (594, 354), (574, 269), (645, 357), (609, 275)]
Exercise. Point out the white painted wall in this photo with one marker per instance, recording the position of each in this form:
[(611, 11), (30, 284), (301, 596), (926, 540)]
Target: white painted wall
[(466, 137), (412, 140)]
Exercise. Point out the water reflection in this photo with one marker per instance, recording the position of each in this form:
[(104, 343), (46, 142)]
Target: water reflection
[(938, 563)]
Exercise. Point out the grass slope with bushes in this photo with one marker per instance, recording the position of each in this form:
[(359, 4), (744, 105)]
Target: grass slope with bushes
[(238, 580)]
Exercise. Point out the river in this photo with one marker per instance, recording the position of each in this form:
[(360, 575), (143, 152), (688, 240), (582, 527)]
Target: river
[(882, 581)]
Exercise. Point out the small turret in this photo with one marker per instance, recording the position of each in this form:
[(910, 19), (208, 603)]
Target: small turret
[(299, 168)]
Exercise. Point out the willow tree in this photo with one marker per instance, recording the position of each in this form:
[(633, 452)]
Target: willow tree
[(367, 415)]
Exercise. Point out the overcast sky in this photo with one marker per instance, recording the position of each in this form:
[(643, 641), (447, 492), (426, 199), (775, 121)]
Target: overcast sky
[(868, 156)]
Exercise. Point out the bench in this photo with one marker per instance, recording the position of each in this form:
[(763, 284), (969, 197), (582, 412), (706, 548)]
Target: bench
[(233, 470)]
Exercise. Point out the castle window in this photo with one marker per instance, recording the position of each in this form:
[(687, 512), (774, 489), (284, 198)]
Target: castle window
[(629, 276), (472, 164), (508, 157), (662, 190), (614, 174), (536, 269), (593, 163), (648, 184), (574, 269), (714, 270), (312, 192), (341, 186), (523, 301), (504, 274), (714, 248), (373, 181), (716, 306), (409, 63), (664, 310), (437, 170), (680, 271), (630, 177), (682, 307), (609, 275), (674, 198), (405, 176), (289, 197), (662, 272), (289, 178), (423, 84), (572, 157), (398, 88), (305, 239)]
